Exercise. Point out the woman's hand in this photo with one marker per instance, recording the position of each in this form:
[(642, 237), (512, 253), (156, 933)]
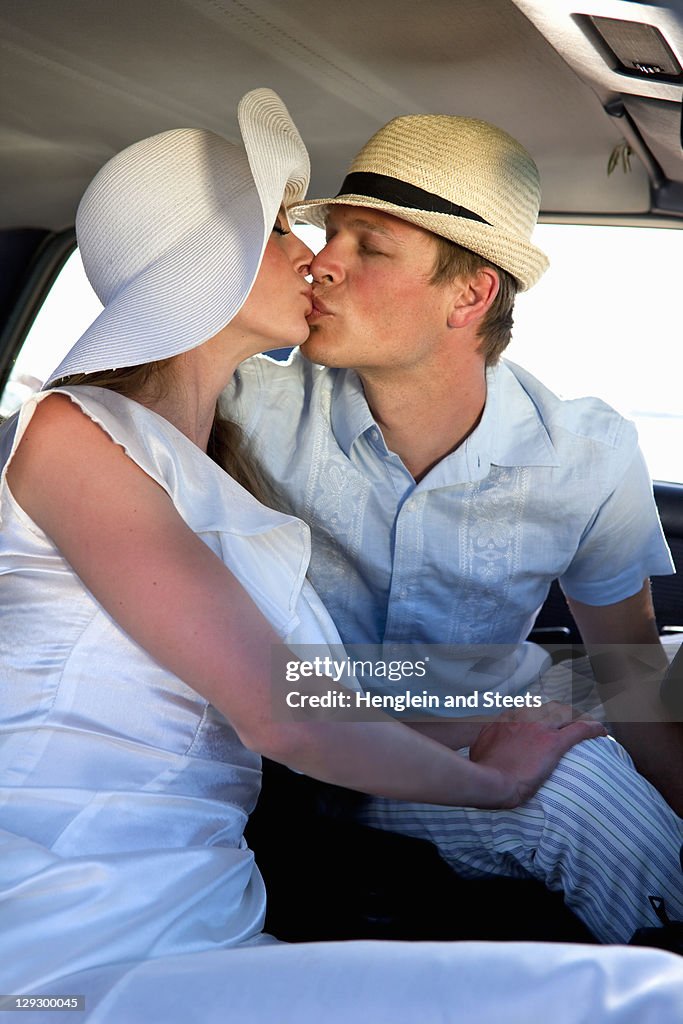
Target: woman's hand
[(525, 746)]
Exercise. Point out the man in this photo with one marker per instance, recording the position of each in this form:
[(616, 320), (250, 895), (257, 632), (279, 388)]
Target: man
[(445, 490)]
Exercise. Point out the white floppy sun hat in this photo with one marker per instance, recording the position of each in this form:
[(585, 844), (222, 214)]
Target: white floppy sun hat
[(172, 231), (458, 177)]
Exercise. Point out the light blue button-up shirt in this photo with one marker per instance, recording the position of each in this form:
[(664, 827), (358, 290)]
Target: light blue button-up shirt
[(542, 489)]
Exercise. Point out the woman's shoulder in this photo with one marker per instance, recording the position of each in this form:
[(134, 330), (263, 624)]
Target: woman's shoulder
[(61, 433), (66, 416), (46, 425), (207, 497), (211, 502), (119, 416), (60, 408)]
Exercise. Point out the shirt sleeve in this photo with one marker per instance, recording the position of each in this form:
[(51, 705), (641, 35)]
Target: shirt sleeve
[(623, 544)]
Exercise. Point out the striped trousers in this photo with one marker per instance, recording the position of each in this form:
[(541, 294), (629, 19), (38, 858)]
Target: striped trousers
[(596, 830)]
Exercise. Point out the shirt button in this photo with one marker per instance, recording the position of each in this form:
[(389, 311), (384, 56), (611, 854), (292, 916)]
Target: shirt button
[(374, 434)]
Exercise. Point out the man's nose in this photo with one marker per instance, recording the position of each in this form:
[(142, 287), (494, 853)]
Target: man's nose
[(327, 266)]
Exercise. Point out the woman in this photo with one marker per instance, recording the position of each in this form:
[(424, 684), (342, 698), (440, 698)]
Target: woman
[(143, 589)]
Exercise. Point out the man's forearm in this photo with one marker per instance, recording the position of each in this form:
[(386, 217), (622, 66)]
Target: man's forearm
[(657, 751), (629, 679), (629, 662)]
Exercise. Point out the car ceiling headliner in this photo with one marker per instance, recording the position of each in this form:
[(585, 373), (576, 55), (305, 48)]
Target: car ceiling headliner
[(81, 79)]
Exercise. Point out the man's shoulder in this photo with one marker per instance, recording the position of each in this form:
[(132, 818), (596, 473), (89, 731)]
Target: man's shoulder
[(294, 374), (263, 389), (267, 370), (587, 421)]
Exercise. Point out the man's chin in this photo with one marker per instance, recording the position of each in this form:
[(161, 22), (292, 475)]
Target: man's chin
[(302, 348), (314, 349)]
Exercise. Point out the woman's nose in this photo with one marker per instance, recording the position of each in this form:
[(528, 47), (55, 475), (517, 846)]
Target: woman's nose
[(302, 257)]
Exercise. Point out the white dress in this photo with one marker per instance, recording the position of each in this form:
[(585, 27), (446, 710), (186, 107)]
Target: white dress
[(124, 794)]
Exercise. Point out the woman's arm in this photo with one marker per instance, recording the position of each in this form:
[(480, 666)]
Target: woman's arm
[(124, 538)]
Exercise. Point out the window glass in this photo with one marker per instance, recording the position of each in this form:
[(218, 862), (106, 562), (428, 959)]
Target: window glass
[(604, 320), (70, 307)]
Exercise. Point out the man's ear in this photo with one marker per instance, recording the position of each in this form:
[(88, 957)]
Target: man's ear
[(473, 297)]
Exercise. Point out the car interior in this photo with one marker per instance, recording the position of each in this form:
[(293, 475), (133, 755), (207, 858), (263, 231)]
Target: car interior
[(588, 86)]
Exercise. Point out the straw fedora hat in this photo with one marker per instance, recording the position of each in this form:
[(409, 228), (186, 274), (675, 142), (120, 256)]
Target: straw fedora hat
[(172, 231), (458, 177)]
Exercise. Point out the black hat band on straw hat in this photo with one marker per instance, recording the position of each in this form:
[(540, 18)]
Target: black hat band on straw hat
[(402, 193)]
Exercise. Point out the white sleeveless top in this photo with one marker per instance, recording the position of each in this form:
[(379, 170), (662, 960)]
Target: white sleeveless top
[(123, 793)]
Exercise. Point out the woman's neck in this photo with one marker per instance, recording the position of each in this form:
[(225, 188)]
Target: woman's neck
[(187, 396)]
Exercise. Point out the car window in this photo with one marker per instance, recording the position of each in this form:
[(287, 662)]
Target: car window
[(604, 321), (69, 308)]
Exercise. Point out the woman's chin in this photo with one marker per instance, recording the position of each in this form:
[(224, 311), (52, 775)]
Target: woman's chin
[(285, 344)]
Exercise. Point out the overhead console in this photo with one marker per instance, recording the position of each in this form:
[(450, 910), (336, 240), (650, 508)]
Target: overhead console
[(631, 54)]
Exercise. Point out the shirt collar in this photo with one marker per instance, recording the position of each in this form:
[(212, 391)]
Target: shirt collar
[(511, 431), (350, 412), (518, 434)]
